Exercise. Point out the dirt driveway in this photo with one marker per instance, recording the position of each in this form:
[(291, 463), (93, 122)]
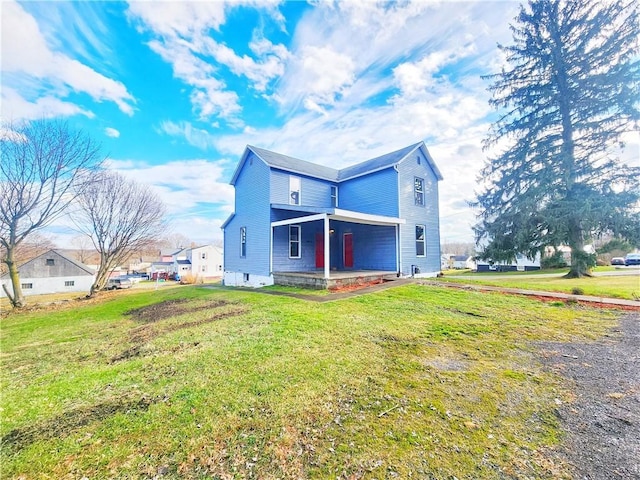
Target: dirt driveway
[(603, 423)]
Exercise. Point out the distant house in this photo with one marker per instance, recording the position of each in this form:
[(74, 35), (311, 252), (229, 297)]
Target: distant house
[(522, 264), (204, 262), (293, 216), (461, 262), (51, 272)]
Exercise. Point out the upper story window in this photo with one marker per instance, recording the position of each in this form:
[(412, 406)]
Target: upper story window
[(203, 256), (294, 241), (334, 196), (418, 191), (50, 262), (420, 241), (243, 241), (294, 190)]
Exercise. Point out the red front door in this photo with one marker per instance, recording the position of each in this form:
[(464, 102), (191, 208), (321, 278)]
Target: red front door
[(319, 250), (348, 250)]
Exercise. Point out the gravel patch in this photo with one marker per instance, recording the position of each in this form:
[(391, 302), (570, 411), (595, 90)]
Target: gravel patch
[(603, 423)]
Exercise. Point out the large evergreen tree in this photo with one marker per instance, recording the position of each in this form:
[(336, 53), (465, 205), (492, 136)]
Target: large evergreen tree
[(568, 94)]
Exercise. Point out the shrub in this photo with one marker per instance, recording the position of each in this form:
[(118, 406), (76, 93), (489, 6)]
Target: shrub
[(188, 279), (577, 291), (555, 260)]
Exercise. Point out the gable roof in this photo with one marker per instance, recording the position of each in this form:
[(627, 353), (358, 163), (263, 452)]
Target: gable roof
[(379, 163), (302, 167), (84, 270)]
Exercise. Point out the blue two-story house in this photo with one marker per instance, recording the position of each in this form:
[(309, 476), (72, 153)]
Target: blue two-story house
[(295, 216)]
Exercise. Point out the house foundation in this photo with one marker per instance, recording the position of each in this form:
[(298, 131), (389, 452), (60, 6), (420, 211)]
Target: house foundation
[(336, 280)]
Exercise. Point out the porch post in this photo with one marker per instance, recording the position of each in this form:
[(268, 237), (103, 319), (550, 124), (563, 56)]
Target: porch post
[(327, 258), (271, 251), (399, 248)]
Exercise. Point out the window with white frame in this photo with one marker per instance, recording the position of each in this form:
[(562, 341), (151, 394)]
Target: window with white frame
[(294, 190), (420, 241), (334, 196), (69, 283), (203, 256), (418, 191), (294, 241), (243, 241), (26, 286)]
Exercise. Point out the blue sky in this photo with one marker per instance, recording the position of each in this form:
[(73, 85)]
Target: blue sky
[(175, 90)]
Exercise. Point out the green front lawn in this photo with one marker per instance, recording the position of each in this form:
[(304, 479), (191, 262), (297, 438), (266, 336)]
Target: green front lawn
[(410, 382), (623, 286)]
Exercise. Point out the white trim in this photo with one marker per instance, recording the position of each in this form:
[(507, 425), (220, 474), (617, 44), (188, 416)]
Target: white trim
[(299, 241), (291, 221), (327, 255), (398, 264), (235, 279), (271, 251), (366, 218), (424, 239), (292, 181)]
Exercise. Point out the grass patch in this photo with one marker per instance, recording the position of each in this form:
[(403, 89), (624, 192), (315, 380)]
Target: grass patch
[(193, 382), (622, 286)]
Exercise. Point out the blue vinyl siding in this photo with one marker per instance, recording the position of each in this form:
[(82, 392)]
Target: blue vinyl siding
[(313, 192), (427, 215), (252, 210), (307, 260), (375, 193), (374, 246)]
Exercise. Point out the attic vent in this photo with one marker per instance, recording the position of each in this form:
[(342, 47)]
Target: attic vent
[(418, 159), (49, 262)]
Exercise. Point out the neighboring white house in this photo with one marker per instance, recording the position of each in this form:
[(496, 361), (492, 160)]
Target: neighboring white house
[(206, 261), (203, 262), (522, 263), (460, 262), (51, 272)]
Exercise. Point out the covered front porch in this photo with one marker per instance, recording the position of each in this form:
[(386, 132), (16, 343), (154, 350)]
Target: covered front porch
[(333, 247)]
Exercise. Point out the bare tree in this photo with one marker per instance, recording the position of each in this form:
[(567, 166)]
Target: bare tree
[(120, 216), (84, 251), (44, 166), (175, 240)]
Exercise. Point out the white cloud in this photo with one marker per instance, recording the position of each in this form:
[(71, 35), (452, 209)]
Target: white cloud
[(377, 77), (182, 184), (182, 39), (111, 132), (26, 52), (15, 107), (194, 136)]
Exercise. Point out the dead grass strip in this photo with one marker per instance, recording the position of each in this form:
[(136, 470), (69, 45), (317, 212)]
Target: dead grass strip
[(69, 421), (144, 334)]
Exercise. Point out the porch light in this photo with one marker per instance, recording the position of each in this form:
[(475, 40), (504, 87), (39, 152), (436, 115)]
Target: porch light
[(332, 231)]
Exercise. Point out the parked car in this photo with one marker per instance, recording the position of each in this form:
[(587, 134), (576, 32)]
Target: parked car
[(118, 283), (632, 259), (617, 261)]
